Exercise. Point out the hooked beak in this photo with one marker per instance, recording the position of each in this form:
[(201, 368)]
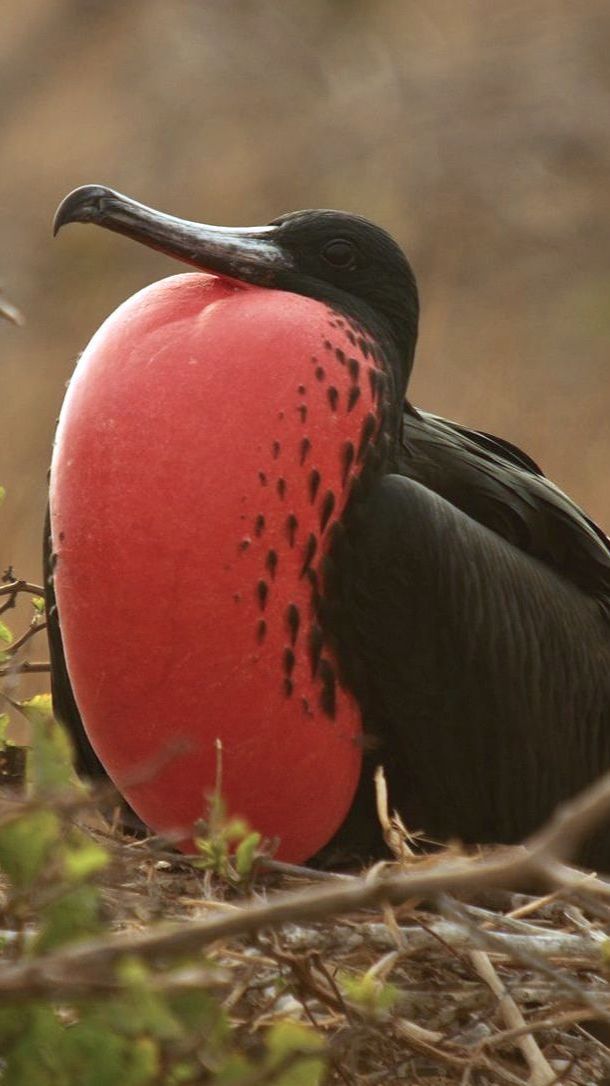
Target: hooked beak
[(251, 254)]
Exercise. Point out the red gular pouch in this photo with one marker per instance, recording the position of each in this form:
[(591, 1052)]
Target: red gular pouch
[(206, 447)]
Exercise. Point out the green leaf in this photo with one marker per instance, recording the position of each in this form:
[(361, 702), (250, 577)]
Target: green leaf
[(73, 916), (142, 1010), (182, 1072), (132, 972), (34, 1058), (245, 854), (201, 1014), (371, 995), (143, 1064), (2, 494), (214, 853), (5, 634), (235, 829), (50, 760), (38, 604), (84, 859), (285, 1039), (93, 1055), (38, 709), (26, 844), (233, 1071)]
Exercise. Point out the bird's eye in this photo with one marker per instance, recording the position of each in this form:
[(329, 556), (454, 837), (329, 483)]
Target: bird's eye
[(340, 253)]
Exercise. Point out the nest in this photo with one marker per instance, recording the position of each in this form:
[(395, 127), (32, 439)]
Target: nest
[(434, 970), (510, 988)]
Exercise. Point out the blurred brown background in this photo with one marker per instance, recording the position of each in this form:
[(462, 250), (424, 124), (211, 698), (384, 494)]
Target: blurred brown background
[(477, 132)]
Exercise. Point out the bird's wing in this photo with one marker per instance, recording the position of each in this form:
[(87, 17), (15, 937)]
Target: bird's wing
[(501, 487), (484, 675), (497, 447)]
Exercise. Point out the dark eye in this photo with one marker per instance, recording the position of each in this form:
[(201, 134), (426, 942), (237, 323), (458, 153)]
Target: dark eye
[(339, 253)]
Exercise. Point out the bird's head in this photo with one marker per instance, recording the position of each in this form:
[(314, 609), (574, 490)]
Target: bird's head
[(332, 256)]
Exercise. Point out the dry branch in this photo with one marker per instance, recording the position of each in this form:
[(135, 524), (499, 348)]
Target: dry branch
[(541, 1073)]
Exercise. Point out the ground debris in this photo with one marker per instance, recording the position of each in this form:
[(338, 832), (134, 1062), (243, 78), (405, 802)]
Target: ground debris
[(424, 969), (399, 995)]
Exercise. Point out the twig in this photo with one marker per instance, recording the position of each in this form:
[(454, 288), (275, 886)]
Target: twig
[(531, 958), (426, 1041), (298, 871), (189, 978), (15, 587), (569, 824), (490, 919), (35, 627), (535, 1025), (536, 904), (599, 1045), (547, 944), (28, 667), (542, 1073), (68, 804), (394, 833)]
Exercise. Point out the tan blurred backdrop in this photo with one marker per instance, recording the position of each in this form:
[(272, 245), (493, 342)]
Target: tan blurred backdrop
[(477, 132)]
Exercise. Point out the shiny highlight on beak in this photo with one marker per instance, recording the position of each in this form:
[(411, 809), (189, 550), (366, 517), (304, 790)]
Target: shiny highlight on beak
[(252, 254)]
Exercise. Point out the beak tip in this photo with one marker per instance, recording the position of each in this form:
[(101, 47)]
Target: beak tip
[(84, 204)]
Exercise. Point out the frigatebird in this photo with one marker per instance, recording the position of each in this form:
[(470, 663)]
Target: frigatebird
[(462, 598)]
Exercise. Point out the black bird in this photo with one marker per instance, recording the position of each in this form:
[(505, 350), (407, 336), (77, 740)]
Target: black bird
[(466, 598)]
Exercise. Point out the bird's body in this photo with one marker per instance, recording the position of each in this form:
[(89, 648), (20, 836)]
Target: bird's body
[(497, 658), (460, 598)]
